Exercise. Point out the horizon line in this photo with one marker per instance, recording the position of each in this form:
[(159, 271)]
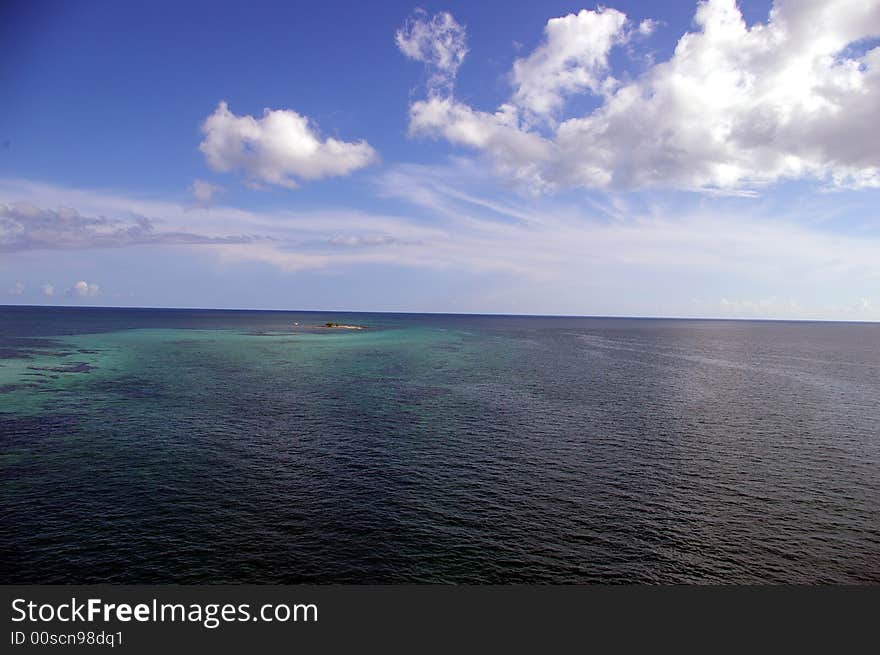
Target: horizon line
[(439, 313)]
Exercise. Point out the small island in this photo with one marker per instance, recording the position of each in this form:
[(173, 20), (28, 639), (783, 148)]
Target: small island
[(329, 325), (342, 326)]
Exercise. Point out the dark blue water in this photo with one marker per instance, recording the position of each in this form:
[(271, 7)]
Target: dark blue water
[(216, 446)]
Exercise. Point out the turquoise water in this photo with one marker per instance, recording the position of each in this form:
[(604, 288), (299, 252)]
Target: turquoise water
[(195, 446)]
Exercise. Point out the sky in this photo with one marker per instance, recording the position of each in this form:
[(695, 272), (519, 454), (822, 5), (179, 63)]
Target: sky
[(711, 159)]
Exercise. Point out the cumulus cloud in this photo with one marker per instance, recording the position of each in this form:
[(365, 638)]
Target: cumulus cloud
[(24, 226), (282, 148), (47, 290), (17, 289), (204, 192), (520, 155), (735, 107), (437, 41), (572, 59), (84, 289)]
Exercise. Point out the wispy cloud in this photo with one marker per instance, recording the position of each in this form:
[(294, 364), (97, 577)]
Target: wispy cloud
[(204, 192), (24, 226), (367, 241), (600, 254)]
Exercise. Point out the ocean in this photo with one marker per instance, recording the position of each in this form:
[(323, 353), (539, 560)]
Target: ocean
[(202, 446)]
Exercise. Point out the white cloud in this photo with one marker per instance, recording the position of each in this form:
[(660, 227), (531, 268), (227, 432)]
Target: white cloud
[(368, 240), (735, 107), (647, 27), (282, 148), (519, 155), (555, 241), (572, 59), (438, 41), (607, 254), (47, 290), (204, 192), (24, 226), (771, 306), (17, 289), (85, 289)]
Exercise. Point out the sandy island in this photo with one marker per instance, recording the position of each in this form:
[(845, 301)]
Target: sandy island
[(341, 326)]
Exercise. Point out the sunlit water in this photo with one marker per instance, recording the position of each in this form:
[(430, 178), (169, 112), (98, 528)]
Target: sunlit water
[(209, 446)]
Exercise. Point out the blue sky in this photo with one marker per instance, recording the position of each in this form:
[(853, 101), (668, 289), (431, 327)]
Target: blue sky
[(639, 158)]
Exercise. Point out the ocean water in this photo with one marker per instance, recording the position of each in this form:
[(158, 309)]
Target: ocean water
[(160, 446)]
